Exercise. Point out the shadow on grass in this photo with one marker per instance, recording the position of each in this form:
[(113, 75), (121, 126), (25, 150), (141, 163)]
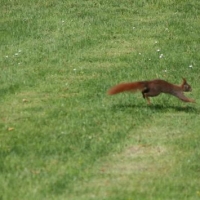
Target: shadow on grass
[(158, 107)]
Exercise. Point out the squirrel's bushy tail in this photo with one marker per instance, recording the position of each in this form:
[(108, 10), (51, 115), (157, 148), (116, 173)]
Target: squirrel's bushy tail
[(123, 87)]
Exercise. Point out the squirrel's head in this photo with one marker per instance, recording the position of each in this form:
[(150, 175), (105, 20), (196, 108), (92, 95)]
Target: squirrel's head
[(186, 87)]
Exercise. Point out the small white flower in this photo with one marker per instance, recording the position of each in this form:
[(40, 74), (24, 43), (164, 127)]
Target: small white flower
[(167, 29), (19, 63), (158, 50), (161, 55), (190, 66), (6, 56), (19, 50), (139, 53), (74, 69), (165, 70), (16, 54), (156, 42), (63, 21), (133, 28)]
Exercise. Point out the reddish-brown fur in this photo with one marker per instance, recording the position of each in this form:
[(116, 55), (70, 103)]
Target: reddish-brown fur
[(154, 88)]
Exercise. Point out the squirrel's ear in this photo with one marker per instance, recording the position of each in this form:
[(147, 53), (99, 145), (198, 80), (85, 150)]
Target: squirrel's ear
[(184, 80)]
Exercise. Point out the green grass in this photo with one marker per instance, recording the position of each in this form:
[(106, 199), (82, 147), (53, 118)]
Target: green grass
[(61, 136)]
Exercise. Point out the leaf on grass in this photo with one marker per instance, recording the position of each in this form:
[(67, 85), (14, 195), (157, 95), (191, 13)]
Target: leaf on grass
[(24, 100)]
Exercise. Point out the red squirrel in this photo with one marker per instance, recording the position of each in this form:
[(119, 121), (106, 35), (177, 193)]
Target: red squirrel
[(154, 88)]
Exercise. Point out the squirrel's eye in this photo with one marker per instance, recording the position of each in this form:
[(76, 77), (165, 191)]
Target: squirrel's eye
[(186, 87)]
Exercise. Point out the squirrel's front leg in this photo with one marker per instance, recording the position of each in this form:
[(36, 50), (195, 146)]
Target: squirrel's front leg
[(182, 97)]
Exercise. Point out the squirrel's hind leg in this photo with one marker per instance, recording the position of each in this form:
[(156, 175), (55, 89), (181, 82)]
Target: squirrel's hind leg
[(145, 95), (148, 100), (145, 91)]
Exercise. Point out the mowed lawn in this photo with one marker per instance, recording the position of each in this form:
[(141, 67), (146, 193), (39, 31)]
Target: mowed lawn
[(61, 135)]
